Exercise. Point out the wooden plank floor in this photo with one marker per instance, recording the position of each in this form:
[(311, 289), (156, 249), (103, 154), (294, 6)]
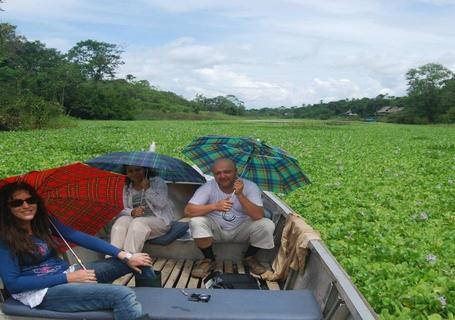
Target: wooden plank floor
[(177, 273)]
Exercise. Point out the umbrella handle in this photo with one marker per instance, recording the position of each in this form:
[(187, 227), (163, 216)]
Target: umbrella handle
[(246, 165), (143, 190), (142, 197), (79, 261)]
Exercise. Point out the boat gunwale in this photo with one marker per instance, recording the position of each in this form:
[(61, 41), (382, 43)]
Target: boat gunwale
[(355, 301)]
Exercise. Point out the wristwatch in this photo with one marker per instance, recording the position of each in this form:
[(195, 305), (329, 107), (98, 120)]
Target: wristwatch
[(127, 257)]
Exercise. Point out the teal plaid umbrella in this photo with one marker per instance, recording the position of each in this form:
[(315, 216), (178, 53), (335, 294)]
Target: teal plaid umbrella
[(166, 167), (272, 168)]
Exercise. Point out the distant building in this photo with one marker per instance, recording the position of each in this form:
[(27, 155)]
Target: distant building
[(349, 113), (388, 109)]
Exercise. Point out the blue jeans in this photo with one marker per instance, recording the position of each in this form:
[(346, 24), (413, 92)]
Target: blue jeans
[(73, 297)]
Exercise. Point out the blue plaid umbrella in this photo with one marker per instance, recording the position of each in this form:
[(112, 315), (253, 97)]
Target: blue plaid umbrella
[(166, 167), (272, 168)]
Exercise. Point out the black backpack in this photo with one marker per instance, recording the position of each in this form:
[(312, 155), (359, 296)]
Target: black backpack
[(219, 280)]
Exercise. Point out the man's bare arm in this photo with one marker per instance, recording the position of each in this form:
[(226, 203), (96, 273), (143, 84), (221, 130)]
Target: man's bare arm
[(253, 211), (196, 210)]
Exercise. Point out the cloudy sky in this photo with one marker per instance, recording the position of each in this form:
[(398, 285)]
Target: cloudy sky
[(267, 53)]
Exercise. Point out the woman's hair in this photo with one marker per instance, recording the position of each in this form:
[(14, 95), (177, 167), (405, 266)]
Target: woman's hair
[(148, 172), (15, 237)]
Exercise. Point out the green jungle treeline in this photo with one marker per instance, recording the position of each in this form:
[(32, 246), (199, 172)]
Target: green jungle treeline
[(430, 99), (39, 86)]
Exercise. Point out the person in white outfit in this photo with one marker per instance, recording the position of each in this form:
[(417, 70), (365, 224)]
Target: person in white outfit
[(228, 208), (148, 212)]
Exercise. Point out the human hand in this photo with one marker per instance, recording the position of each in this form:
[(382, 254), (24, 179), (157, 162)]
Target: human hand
[(224, 205), (145, 183), (139, 260), (81, 276), (238, 187), (137, 212)]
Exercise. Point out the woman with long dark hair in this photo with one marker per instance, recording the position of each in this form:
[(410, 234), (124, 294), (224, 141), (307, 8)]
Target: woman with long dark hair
[(148, 213), (34, 274)]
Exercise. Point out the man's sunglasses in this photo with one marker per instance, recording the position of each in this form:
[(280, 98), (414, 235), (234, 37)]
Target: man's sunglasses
[(19, 202)]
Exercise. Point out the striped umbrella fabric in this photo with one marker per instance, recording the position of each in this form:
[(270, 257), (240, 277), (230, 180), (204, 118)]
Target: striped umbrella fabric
[(168, 168), (272, 168), (80, 196)]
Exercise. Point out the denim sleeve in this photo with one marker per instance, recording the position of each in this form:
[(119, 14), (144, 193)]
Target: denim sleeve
[(16, 282), (85, 240)]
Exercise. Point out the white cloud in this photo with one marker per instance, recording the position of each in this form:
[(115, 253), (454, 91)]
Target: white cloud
[(184, 5), (241, 84), (439, 2), (185, 51), (190, 69)]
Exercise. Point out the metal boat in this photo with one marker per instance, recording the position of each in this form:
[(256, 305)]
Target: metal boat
[(321, 281)]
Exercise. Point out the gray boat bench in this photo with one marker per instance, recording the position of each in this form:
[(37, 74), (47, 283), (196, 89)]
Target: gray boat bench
[(228, 304)]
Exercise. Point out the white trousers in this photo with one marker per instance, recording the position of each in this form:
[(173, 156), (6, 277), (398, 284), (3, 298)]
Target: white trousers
[(258, 233), (130, 233)]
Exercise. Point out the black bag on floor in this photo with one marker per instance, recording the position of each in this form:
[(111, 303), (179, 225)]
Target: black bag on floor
[(154, 283), (219, 280)]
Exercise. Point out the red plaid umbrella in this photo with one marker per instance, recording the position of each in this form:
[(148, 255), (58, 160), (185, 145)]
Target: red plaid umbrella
[(80, 196)]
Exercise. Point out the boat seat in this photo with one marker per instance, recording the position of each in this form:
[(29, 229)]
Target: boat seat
[(226, 304), (15, 308), (178, 229)]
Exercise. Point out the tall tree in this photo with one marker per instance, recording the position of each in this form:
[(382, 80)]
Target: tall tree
[(29, 84), (10, 53), (425, 83), (97, 60), (240, 105), (229, 104), (448, 101)]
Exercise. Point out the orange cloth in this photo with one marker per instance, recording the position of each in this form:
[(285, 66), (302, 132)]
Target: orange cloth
[(293, 249)]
